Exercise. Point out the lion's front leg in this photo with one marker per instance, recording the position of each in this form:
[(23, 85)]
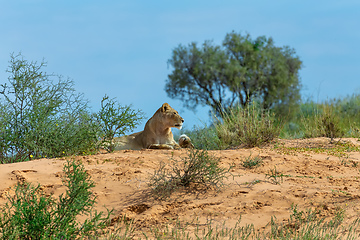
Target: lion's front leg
[(163, 146)]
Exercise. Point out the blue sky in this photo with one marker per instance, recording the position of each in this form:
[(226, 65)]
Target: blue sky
[(120, 48)]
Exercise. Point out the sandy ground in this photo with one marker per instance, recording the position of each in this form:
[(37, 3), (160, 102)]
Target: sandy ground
[(315, 176)]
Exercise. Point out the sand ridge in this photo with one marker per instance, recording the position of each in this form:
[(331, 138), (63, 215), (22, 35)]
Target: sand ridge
[(314, 176)]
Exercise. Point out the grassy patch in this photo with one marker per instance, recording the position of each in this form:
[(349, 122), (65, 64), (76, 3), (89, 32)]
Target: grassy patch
[(275, 176), (301, 225), (338, 149), (252, 162), (332, 118)]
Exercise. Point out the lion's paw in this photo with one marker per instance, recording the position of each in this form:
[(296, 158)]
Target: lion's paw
[(185, 142)]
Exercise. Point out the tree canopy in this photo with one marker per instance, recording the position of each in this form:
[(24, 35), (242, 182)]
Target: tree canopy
[(239, 71)]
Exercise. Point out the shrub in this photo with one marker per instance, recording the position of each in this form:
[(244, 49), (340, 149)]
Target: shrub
[(198, 170), (205, 138), (30, 214), (114, 120), (41, 116), (330, 123), (325, 122), (250, 126), (332, 118), (251, 162), (274, 176)]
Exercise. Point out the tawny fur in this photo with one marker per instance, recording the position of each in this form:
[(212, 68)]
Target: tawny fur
[(157, 132)]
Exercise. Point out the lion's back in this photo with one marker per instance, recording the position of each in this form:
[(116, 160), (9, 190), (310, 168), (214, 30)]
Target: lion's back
[(127, 142)]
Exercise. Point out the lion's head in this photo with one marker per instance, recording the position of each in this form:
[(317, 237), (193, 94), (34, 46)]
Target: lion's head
[(169, 116)]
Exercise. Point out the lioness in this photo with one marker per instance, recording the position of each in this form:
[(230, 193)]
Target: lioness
[(157, 132)]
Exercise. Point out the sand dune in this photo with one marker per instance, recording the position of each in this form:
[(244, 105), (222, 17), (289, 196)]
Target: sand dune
[(316, 175)]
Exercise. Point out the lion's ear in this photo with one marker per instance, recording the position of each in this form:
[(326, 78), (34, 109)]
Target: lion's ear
[(165, 107)]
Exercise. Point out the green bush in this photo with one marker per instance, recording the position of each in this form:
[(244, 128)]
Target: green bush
[(41, 115), (275, 176), (253, 126), (198, 170), (30, 214), (330, 124), (205, 138), (332, 118), (250, 126), (252, 162), (114, 120), (326, 122)]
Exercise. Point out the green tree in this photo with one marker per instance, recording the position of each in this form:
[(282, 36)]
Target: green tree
[(199, 76), (240, 71)]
